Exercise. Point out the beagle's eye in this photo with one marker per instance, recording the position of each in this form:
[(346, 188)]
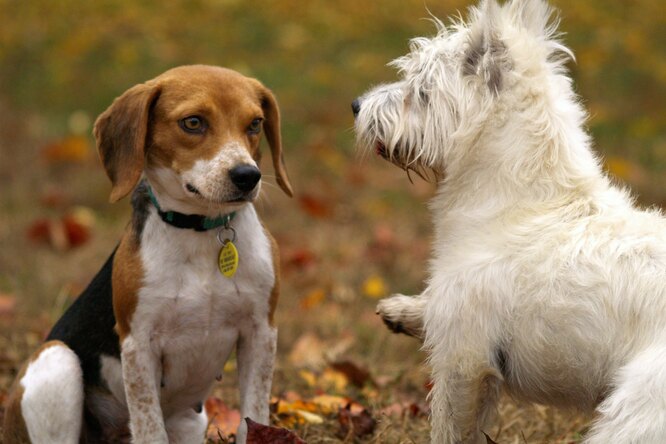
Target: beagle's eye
[(193, 124), (255, 126)]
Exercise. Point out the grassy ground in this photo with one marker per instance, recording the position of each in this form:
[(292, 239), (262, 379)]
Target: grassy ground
[(355, 231)]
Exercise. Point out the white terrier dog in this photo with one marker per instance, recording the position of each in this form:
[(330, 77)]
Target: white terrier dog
[(545, 278)]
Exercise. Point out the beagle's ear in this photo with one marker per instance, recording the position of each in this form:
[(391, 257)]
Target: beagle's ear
[(121, 133), (272, 130)]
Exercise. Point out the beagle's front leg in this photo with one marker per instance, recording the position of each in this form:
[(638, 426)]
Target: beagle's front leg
[(256, 358), (141, 378)]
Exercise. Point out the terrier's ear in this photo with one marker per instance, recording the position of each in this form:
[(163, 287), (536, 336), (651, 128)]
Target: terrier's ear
[(486, 56), (121, 133)]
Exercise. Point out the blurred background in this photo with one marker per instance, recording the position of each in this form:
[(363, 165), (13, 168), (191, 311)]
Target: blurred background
[(356, 230)]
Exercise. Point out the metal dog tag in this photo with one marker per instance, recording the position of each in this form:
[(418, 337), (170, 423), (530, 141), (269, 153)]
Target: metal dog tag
[(227, 260)]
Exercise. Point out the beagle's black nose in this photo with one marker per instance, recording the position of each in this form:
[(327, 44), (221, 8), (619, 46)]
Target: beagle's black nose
[(356, 107), (245, 177)]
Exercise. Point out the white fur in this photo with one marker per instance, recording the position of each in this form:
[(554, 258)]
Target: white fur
[(545, 278), (190, 317), (52, 400), (209, 176)]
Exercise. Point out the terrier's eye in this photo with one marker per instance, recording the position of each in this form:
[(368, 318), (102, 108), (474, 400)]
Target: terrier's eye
[(255, 126), (193, 124)]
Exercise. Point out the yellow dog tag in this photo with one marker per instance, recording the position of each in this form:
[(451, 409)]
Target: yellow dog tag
[(227, 261)]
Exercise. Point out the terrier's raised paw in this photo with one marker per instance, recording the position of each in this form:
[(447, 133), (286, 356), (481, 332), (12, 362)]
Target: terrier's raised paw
[(403, 314)]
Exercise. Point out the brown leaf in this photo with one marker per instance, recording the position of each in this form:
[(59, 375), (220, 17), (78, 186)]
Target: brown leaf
[(222, 420), (355, 374), (357, 423), (262, 434)]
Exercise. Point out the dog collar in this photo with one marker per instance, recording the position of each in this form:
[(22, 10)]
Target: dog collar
[(196, 222)]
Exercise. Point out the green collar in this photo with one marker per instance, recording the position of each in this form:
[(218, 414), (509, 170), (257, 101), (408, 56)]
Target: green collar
[(196, 222)]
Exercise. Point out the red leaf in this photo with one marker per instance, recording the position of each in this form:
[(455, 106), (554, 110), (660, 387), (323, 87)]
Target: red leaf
[(77, 233), (263, 434), (315, 206), (71, 230), (359, 423), (300, 258), (38, 231)]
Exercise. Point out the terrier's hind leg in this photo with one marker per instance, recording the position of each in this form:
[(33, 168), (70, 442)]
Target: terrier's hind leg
[(49, 396), (635, 409), (403, 314)]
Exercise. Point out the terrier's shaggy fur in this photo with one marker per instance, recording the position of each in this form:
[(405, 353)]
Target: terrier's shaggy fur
[(545, 278)]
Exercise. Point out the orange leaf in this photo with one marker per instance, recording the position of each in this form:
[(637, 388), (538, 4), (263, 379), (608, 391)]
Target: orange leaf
[(7, 305), (221, 419), (313, 299), (328, 404), (75, 149)]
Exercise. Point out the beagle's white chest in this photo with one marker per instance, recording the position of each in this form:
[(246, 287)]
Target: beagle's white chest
[(192, 313)]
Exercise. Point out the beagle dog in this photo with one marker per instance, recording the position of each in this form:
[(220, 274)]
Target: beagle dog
[(194, 275)]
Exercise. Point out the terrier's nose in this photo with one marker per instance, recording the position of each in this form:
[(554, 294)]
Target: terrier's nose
[(245, 177), (356, 107)]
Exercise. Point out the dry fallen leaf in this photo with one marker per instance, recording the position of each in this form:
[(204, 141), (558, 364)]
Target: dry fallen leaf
[(308, 351), (262, 434), (299, 258), (75, 149), (355, 423), (222, 420), (333, 380), (329, 404), (313, 299), (355, 374), (7, 305), (70, 231), (315, 207)]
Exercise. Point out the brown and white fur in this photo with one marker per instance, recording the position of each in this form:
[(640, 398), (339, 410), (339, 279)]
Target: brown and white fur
[(138, 352), (545, 278)]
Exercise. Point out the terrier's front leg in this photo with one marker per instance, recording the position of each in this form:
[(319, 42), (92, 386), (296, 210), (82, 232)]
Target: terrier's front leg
[(403, 314), (141, 378), (256, 358)]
